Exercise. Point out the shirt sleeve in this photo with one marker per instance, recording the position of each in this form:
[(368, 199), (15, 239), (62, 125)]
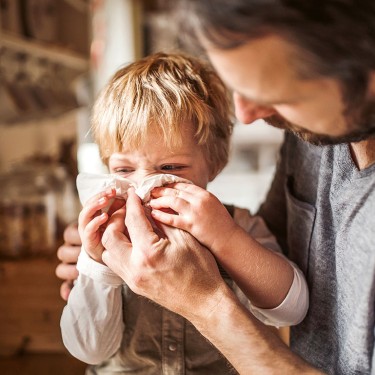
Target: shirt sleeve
[(293, 308), (92, 323)]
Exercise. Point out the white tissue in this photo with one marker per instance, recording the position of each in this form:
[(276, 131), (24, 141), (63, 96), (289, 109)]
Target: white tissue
[(89, 185)]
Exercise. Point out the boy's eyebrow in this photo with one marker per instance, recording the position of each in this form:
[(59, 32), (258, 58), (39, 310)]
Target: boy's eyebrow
[(117, 157), (121, 158)]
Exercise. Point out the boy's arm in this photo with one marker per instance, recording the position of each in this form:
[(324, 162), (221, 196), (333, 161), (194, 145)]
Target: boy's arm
[(263, 275), (244, 247), (294, 307), (91, 322)]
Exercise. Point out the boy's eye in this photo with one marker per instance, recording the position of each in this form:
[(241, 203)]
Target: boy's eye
[(124, 170), (172, 167)]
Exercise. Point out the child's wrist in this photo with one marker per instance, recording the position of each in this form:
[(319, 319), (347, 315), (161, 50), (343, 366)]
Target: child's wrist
[(93, 254), (223, 239)]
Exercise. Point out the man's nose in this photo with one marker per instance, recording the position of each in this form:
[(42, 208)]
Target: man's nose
[(248, 111)]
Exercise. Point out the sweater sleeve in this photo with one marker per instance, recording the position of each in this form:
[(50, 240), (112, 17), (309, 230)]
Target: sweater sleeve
[(92, 323), (293, 308)]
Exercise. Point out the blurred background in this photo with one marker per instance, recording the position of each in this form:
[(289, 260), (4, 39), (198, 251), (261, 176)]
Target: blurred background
[(55, 55)]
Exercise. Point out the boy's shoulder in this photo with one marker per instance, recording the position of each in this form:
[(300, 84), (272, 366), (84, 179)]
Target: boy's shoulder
[(250, 223), (235, 211)]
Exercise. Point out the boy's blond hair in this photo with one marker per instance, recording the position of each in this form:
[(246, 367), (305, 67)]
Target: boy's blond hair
[(164, 92)]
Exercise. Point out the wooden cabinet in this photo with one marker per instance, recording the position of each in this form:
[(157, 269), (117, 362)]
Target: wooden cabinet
[(41, 364), (30, 306), (30, 311)]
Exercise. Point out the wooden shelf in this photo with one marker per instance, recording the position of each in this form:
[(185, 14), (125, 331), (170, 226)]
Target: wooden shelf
[(59, 54)]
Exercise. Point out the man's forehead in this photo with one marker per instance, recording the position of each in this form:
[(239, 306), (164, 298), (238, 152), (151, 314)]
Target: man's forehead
[(259, 70)]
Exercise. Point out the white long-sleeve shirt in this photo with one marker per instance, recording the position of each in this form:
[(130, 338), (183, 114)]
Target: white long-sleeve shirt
[(104, 317)]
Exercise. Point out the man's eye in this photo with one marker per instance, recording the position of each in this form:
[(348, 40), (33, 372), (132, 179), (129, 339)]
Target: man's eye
[(172, 167)]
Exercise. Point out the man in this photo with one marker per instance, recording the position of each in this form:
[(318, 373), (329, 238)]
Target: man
[(308, 67)]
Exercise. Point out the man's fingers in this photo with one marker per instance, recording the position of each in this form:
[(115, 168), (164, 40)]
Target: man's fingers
[(137, 224), (175, 234), (117, 245), (114, 234), (68, 254), (65, 289), (71, 235), (66, 271)]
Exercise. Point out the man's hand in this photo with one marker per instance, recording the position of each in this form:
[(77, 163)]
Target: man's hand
[(68, 255), (174, 271)]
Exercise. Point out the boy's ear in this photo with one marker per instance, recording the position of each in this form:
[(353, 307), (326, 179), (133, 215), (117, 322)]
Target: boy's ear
[(214, 172)]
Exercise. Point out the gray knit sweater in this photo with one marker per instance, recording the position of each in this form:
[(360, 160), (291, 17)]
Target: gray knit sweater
[(322, 210)]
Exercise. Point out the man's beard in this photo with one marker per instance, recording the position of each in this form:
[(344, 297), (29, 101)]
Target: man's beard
[(362, 124)]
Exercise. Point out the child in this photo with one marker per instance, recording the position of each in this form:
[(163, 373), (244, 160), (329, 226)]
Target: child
[(166, 115)]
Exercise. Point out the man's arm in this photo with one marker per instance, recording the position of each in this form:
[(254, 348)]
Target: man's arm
[(181, 275), (246, 342)]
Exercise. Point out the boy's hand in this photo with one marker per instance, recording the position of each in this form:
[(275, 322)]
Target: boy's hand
[(92, 221), (196, 211)]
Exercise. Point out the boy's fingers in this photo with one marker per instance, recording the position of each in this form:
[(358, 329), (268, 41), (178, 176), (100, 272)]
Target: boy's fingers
[(108, 193), (94, 225), (116, 205), (178, 189), (167, 218), (176, 204)]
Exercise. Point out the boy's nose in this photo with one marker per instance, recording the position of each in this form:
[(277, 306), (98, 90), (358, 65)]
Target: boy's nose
[(139, 176), (248, 111)]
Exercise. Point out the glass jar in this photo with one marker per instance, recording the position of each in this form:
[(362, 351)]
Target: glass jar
[(27, 217)]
